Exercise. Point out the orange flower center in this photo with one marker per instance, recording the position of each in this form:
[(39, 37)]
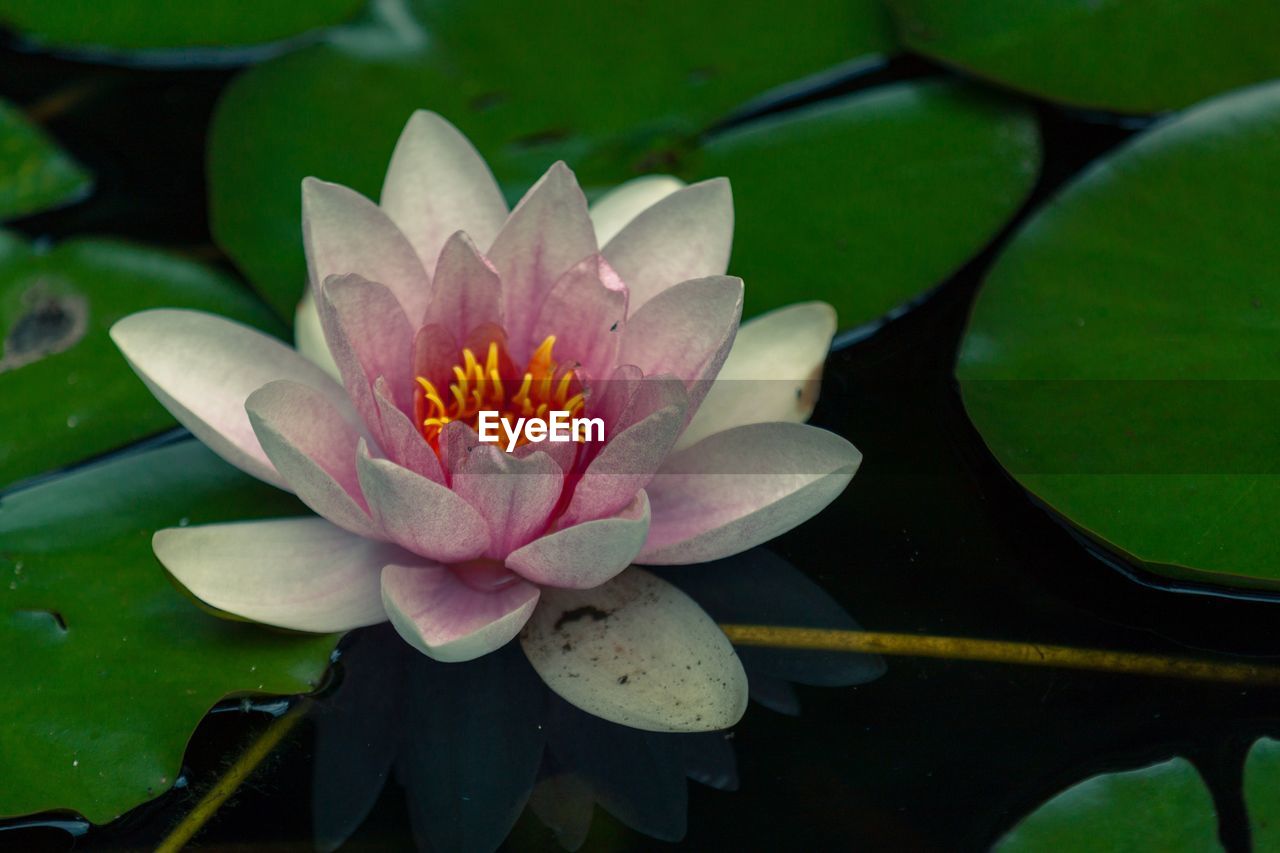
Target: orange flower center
[(481, 386)]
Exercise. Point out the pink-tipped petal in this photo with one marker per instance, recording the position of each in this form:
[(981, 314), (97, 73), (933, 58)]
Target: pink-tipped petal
[(638, 652), (202, 368), (314, 448), (420, 515), (298, 573), (742, 487), (773, 372), (644, 432), (585, 311), (451, 621), (685, 331), (369, 337), (614, 210), (308, 335), (586, 554), (437, 184), (466, 292), (547, 233), (345, 233), (401, 440), (686, 235), (514, 495)]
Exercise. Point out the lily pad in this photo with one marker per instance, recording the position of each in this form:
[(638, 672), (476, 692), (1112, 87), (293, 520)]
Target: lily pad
[(831, 200), (159, 24), (1262, 793), (68, 394), (615, 89), (1122, 356), (36, 175), (1164, 808), (1136, 56), (108, 667)]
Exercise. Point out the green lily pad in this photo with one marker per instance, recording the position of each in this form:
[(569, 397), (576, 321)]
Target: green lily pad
[(68, 393), (159, 24), (831, 200), (1262, 793), (1135, 56), (615, 89), (1122, 356), (107, 666), (1164, 808), (36, 175)]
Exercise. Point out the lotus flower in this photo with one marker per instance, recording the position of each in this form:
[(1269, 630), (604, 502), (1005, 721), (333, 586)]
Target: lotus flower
[(437, 304)]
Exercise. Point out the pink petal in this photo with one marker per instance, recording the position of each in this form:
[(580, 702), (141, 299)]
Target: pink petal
[(638, 652), (202, 368), (587, 554), (369, 337), (344, 233), (445, 619), (298, 573), (547, 233), (515, 496), (466, 292), (438, 184), (773, 372), (421, 515), (585, 311), (402, 441), (685, 331), (308, 335), (742, 487), (314, 448), (643, 434), (686, 235), (614, 210)]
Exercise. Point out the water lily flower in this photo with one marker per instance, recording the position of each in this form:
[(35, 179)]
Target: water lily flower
[(436, 303)]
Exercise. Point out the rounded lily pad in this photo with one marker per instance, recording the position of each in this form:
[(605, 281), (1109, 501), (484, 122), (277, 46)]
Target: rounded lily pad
[(107, 666), (1122, 356), (159, 24), (614, 89), (1122, 55), (831, 200), (36, 175), (69, 393), (1164, 808)]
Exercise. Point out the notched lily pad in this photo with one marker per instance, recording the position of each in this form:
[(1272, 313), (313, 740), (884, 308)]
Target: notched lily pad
[(107, 666), (36, 174), (69, 394)]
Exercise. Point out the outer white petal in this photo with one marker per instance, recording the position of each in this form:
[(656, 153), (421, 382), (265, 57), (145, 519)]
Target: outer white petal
[(639, 652), (308, 335), (447, 620), (684, 236), (611, 212), (773, 372), (742, 487), (202, 368), (299, 573), (437, 184)]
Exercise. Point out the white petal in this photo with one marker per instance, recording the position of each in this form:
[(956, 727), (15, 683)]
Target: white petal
[(202, 368), (773, 372), (686, 235), (638, 652), (742, 487), (446, 619), (299, 573), (437, 184), (611, 212), (308, 335)]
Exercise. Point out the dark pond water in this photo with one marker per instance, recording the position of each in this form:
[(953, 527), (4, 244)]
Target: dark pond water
[(932, 538)]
